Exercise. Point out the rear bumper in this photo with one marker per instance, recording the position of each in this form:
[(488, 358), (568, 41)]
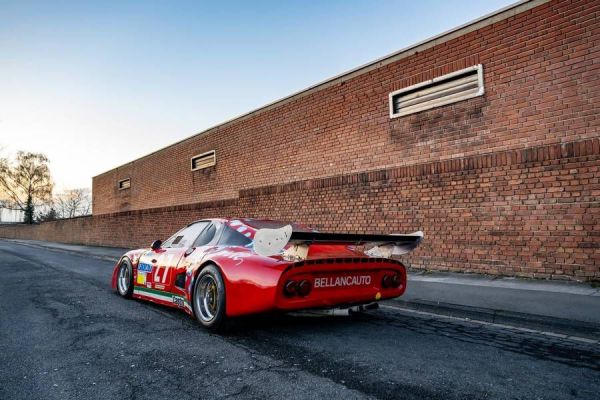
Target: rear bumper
[(340, 282)]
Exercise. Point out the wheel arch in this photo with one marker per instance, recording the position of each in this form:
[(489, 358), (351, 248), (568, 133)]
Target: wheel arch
[(202, 266), (250, 282), (116, 270)]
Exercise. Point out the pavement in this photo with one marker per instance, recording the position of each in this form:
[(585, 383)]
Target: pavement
[(64, 334), (571, 308), (99, 252)]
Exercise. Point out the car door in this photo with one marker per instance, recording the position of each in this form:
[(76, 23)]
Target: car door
[(205, 241), (156, 269)]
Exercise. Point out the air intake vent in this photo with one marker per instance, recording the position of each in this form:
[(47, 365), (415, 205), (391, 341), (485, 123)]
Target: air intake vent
[(457, 86), (204, 160), (124, 184)]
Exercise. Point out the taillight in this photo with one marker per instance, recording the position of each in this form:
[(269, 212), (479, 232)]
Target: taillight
[(391, 281), (290, 288), (293, 288), (386, 282), (396, 280), (304, 287)]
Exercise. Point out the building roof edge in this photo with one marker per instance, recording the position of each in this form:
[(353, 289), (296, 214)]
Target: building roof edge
[(478, 23)]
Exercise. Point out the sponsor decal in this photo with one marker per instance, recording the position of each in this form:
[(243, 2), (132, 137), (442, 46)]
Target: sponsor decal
[(144, 267), (356, 280), (159, 287), (141, 278), (178, 301), (162, 296)]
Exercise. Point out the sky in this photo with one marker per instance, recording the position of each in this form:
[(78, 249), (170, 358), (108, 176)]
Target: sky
[(94, 85)]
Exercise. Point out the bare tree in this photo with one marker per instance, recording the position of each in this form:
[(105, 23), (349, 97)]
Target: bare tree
[(25, 183), (73, 203), (3, 163)]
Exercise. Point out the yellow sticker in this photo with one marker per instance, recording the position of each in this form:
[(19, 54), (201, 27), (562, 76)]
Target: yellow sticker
[(141, 279), (378, 296)]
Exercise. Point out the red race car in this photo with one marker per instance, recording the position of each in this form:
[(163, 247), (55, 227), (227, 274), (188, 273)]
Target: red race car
[(222, 268)]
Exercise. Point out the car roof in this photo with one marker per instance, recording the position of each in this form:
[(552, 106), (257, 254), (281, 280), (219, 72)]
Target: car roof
[(242, 219), (256, 223)]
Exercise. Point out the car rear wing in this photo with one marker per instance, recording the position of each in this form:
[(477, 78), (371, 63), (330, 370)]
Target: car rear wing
[(268, 242)]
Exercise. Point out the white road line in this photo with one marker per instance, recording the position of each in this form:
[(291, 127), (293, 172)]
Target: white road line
[(517, 328)]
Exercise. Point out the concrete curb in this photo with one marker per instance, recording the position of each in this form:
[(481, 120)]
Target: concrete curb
[(471, 279), (538, 322)]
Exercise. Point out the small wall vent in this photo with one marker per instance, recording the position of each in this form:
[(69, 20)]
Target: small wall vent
[(446, 89), (124, 184), (204, 160)]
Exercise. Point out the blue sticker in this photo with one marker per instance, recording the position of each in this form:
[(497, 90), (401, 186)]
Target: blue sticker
[(144, 267)]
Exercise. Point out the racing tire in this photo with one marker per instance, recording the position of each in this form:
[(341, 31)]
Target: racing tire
[(208, 301), (125, 278)]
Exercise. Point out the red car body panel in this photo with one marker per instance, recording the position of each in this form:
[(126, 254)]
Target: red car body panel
[(340, 276)]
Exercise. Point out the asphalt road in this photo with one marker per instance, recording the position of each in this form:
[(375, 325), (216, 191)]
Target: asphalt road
[(65, 335)]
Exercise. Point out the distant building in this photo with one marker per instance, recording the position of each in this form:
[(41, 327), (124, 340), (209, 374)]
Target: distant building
[(10, 216)]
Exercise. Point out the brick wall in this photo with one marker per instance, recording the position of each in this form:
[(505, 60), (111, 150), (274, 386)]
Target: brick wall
[(506, 183), (541, 74), (533, 212)]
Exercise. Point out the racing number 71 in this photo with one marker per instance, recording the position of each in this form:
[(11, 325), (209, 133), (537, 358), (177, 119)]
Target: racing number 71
[(157, 278)]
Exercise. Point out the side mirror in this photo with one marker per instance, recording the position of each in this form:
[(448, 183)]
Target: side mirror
[(156, 245)]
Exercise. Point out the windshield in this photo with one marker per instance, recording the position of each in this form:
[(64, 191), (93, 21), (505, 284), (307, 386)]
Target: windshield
[(186, 236)]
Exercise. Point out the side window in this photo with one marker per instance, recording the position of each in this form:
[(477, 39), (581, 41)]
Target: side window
[(231, 237), (186, 236), (206, 236)]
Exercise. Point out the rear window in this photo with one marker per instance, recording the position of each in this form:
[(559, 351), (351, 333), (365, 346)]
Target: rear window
[(206, 236), (231, 237)]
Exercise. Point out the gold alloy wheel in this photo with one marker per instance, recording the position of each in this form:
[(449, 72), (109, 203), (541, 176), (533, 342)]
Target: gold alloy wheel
[(206, 298)]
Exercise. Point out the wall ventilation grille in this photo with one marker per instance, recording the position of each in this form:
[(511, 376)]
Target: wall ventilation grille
[(204, 160), (446, 89), (124, 184)]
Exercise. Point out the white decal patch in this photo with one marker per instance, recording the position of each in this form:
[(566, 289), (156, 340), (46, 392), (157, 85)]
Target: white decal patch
[(269, 242)]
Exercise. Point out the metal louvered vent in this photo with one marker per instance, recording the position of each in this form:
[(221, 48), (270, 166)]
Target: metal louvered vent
[(124, 184), (446, 89), (204, 160)]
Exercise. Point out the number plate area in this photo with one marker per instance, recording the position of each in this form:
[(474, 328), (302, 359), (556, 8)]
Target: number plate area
[(342, 281)]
